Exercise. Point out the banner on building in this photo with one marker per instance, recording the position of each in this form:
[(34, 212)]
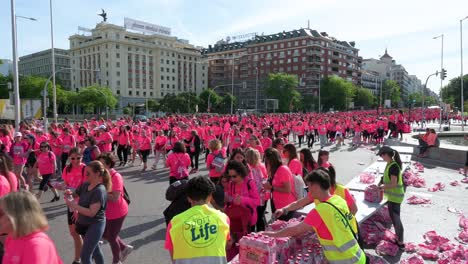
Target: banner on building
[(30, 108), (145, 27)]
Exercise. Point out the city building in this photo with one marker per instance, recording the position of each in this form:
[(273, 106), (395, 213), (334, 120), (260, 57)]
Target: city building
[(6, 67), (387, 69), (136, 65), (372, 81), (305, 52), (415, 84), (40, 64)]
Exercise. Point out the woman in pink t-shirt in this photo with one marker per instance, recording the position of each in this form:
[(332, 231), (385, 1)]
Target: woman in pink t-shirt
[(19, 153), (322, 159), (116, 211), (216, 160), (293, 163), (308, 162), (280, 183), (45, 164), (178, 162), (26, 241), (144, 141), (73, 176), (123, 141), (159, 148), (258, 174), (6, 183)]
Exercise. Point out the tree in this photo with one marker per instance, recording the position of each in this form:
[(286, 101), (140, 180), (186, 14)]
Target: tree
[(309, 103), (364, 98), (451, 93), (336, 93), (95, 96), (391, 91), (283, 86), (153, 105), (215, 100)]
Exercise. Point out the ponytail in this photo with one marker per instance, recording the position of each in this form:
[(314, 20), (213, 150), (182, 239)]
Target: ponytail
[(106, 180), (397, 159)]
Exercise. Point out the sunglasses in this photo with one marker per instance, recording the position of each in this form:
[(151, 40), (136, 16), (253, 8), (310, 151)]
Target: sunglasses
[(77, 158), (43, 146)]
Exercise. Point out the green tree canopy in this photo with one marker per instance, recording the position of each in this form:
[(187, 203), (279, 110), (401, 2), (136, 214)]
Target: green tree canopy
[(451, 93), (95, 96), (391, 91), (283, 86), (336, 93), (215, 100), (364, 98)]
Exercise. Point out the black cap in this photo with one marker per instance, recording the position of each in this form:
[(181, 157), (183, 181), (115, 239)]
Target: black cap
[(385, 150)]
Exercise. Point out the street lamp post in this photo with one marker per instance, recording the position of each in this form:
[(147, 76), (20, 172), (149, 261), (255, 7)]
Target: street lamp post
[(424, 96), (232, 86), (256, 91), (216, 87), (461, 73), (441, 70), (15, 64), (53, 61), (319, 103)]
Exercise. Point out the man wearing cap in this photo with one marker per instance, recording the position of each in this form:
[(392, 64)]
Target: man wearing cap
[(392, 185)]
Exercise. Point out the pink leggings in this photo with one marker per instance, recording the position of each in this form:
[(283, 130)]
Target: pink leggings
[(111, 234)]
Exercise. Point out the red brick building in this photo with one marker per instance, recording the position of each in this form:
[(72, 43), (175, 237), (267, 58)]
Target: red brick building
[(306, 53)]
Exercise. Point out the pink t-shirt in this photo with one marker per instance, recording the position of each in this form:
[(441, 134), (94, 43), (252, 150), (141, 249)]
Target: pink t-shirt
[(160, 142), (283, 175), (68, 142), (35, 248), (14, 181), (18, 151), (209, 160), (56, 145), (172, 161), (124, 139), (5, 187), (6, 141), (119, 208), (296, 167), (105, 137), (144, 142), (74, 176), (45, 162)]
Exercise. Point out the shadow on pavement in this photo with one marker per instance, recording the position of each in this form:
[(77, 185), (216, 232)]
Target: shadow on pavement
[(138, 229)]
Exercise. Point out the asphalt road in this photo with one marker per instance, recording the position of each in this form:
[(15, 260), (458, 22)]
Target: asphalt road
[(144, 227)]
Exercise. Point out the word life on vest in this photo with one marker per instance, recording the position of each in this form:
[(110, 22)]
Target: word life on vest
[(201, 231)]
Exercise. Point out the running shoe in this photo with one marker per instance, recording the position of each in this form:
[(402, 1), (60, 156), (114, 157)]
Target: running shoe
[(124, 254)]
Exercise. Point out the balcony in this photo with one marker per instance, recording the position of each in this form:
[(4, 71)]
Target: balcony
[(316, 62), (313, 69), (314, 52), (335, 63), (217, 70)]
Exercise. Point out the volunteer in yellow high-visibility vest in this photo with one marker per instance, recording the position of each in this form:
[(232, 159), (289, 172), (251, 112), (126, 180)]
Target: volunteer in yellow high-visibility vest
[(199, 234), (393, 188), (335, 188), (330, 220)]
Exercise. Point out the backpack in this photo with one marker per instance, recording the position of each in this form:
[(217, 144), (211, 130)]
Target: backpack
[(126, 196), (218, 162), (182, 170), (299, 187)]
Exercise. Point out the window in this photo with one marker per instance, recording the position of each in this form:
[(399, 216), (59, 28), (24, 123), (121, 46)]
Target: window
[(173, 70), (167, 78), (168, 86), (275, 46), (117, 73), (162, 85), (117, 64), (296, 59), (167, 61), (162, 61), (295, 68), (162, 78), (173, 78), (117, 46), (137, 93), (303, 42), (162, 69), (130, 93), (173, 86), (118, 83), (289, 44), (168, 70), (117, 55)]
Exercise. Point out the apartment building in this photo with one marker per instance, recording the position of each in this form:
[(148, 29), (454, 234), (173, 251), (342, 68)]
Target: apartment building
[(305, 52), (40, 64), (134, 65)]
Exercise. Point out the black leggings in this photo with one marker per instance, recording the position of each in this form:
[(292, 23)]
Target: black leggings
[(122, 153), (310, 140), (64, 159), (261, 221), (300, 140), (194, 159), (394, 212), (45, 181), (144, 155)]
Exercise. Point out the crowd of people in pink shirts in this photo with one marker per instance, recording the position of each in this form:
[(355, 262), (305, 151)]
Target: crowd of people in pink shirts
[(252, 158)]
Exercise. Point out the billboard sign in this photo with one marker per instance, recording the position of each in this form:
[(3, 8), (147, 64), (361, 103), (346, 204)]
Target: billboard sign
[(145, 27)]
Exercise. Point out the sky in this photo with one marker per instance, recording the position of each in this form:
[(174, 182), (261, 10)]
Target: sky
[(405, 27)]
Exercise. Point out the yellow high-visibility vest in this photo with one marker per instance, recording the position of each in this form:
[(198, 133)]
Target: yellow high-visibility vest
[(340, 191), (199, 236), (396, 194), (343, 248)]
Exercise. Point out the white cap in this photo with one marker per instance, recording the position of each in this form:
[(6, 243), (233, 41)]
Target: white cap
[(18, 134)]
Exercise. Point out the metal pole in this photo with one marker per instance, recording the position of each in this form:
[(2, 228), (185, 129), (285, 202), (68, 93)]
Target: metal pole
[(45, 102), (15, 68), (256, 91), (441, 81), (320, 105), (232, 87), (461, 73), (53, 61), (380, 103), (424, 97)]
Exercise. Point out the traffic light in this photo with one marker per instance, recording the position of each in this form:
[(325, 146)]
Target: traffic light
[(443, 74)]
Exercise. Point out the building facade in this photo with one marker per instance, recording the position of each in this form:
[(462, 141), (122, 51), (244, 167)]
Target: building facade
[(40, 64), (372, 81), (136, 66), (387, 69), (6, 67), (306, 53)]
